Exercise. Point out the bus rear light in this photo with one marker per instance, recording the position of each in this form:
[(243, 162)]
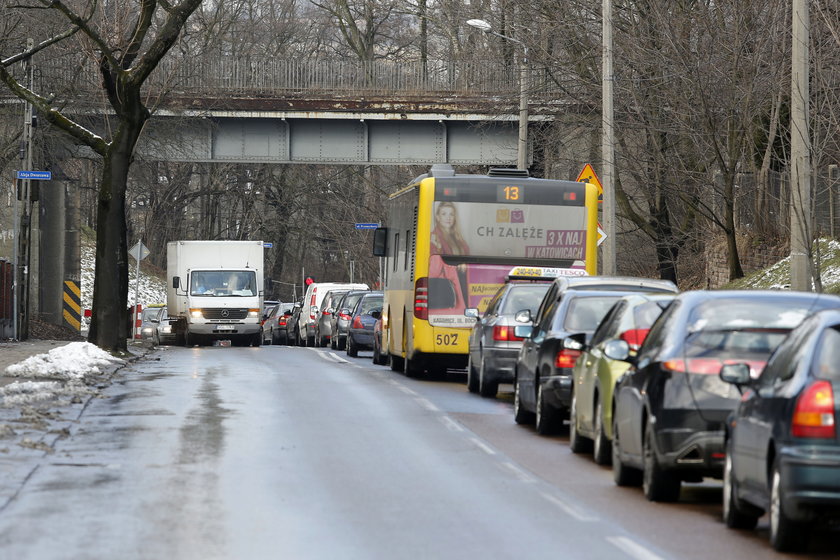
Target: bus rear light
[(813, 416), (421, 298), (566, 358), (504, 332)]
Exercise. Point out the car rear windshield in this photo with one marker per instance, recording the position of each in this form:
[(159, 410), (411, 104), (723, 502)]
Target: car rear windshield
[(584, 314), (370, 304), (524, 297)]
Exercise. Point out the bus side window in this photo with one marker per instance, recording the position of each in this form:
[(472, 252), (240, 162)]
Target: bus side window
[(396, 250), (407, 247)]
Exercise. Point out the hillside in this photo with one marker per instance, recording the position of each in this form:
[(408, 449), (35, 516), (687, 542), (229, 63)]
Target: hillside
[(777, 277)]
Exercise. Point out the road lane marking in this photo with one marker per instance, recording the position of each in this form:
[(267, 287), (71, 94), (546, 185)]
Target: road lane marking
[(329, 356), (451, 424), (633, 548), (520, 474), (427, 404), (406, 390), (483, 446), (574, 512)]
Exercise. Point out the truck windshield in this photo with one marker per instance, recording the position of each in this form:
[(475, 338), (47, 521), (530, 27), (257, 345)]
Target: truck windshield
[(223, 283)]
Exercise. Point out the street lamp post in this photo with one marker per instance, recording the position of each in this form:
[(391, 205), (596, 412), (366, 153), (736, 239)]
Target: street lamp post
[(522, 146)]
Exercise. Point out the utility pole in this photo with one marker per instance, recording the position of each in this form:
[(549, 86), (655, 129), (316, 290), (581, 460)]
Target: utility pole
[(608, 248), (800, 148), (23, 241)]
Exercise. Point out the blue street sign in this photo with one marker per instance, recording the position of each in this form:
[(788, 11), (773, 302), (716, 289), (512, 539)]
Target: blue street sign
[(40, 175), (367, 226), (268, 245)]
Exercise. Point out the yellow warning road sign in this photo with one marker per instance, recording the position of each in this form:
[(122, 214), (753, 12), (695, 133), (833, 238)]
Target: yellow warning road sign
[(588, 176)]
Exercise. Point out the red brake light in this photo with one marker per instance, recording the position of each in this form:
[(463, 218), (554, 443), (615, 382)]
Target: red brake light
[(421, 298), (566, 358), (357, 323), (281, 322), (813, 416), (634, 337), (504, 332), (327, 313)]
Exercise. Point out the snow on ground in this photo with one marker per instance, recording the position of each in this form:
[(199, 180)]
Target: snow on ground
[(151, 289), (69, 369)]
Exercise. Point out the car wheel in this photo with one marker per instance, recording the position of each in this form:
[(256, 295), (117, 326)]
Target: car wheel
[(352, 349), (520, 415), (376, 356), (622, 474), (472, 377), (323, 341), (785, 534), (733, 515), (156, 340), (274, 338), (486, 387), (332, 343), (342, 343), (601, 452), (577, 442), (189, 339), (658, 484), (546, 415), (256, 340)]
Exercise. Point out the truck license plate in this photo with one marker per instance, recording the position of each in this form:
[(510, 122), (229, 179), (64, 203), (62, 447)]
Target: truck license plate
[(224, 327)]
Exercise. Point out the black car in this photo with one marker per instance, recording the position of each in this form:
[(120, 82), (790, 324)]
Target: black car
[(782, 446), (360, 330), (670, 407), (543, 371)]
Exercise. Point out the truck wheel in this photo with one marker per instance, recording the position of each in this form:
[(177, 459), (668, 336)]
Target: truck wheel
[(189, 339), (256, 340)]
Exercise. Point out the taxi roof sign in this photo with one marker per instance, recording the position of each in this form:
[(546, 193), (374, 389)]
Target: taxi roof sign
[(542, 273)]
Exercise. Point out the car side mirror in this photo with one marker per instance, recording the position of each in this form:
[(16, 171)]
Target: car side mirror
[(376, 313), (523, 331), (736, 374), (523, 316), (471, 312), (380, 242), (617, 350)]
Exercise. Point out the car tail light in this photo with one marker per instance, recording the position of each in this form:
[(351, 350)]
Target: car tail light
[(566, 358), (327, 313), (281, 322), (357, 323), (813, 416), (710, 366), (634, 337), (504, 332), (344, 316), (421, 298)]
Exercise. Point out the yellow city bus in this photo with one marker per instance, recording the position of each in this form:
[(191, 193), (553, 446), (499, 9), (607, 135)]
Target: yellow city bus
[(448, 243)]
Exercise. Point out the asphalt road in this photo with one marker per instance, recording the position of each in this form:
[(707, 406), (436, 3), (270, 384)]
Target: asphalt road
[(280, 452)]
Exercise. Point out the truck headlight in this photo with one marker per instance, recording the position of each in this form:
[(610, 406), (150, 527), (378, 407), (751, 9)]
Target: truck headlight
[(195, 313), (253, 313)]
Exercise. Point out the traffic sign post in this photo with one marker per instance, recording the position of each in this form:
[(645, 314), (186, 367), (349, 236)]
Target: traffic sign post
[(139, 252)]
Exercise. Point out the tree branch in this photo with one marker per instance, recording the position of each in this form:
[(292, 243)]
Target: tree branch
[(166, 37), (141, 29), (39, 47)]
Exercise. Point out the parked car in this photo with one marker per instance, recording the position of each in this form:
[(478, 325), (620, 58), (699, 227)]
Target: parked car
[(149, 321), (275, 325), (360, 331), (670, 407), (594, 374), (543, 386), (312, 301), (493, 347), (341, 318), (323, 323), (267, 305), (292, 325), (166, 334), (782, 446), (379, 357)]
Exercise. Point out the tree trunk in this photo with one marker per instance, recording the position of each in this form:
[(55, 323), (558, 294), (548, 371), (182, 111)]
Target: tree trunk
[(110, 295), (732, 257)]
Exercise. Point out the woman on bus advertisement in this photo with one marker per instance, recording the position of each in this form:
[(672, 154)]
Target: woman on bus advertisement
[(447, 240)]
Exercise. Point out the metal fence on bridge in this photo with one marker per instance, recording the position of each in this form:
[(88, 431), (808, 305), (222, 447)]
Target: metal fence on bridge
[(251, 76)]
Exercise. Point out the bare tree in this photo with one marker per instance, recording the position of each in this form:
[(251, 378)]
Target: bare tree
[(127, 41)]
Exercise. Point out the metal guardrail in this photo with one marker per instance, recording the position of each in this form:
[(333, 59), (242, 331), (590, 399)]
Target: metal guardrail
[(250, 76)]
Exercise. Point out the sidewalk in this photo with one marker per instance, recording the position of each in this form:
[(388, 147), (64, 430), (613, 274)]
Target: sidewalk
[(14, 352)]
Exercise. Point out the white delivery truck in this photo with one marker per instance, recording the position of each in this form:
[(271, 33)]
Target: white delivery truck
[(215, 290)]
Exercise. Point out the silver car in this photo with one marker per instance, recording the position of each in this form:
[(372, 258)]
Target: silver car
[(341, 318), (493, 347), (323, 324)]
